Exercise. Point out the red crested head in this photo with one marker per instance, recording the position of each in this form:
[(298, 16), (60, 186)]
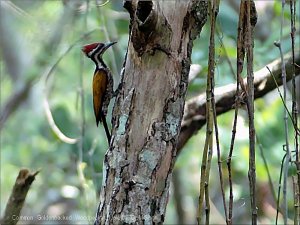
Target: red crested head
[(95, 51), (90, 47)]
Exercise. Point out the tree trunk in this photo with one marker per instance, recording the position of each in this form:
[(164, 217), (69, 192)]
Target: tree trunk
[(148, 110)]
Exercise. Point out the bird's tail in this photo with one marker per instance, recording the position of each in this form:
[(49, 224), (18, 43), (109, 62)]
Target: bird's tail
[(106, 128)]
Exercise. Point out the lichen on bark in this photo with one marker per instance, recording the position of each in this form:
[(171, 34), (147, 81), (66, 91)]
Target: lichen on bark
[(148, 111)]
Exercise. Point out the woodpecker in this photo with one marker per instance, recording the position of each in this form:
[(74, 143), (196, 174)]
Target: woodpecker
[(102, 82)]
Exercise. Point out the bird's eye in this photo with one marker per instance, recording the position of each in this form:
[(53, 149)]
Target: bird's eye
[(101, 45)]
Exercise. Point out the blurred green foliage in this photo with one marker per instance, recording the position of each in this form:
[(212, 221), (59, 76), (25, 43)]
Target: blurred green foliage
[(28, 141)]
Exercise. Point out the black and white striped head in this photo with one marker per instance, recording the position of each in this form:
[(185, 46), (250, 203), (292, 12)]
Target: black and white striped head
[(95, 51)]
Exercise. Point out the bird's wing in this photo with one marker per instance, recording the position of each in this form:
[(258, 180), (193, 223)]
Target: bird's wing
[(99, 89)]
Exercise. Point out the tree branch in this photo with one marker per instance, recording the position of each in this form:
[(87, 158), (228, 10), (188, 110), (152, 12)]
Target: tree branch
[(194, 113), (17, 197)]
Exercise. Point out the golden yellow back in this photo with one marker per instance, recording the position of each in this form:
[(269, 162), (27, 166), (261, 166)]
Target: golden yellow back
[(99, 89)]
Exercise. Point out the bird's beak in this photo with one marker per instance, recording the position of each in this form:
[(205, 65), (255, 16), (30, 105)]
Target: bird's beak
[(107, 45)]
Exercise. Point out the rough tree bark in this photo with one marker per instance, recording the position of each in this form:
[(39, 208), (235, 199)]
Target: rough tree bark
[(17, 198), (148, 110)]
